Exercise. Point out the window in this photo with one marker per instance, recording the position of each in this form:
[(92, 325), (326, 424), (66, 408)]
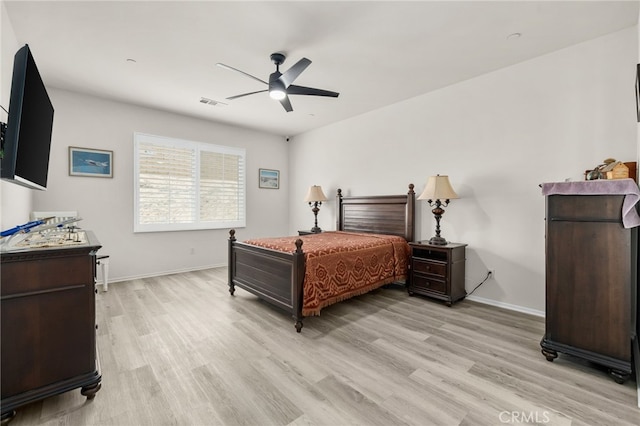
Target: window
[(183, 185)]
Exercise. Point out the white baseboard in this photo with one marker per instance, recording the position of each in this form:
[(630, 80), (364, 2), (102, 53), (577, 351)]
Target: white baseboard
[(200, 268), (509, 306), (158, 274)]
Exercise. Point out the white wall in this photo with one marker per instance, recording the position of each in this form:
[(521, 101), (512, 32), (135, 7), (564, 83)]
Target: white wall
[(106, 205), (497, 136), (15, 200)]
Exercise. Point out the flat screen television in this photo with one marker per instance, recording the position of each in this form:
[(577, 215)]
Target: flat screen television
[(27, 138)]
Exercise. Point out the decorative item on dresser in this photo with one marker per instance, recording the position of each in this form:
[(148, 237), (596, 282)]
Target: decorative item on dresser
[(613, 169), (591, 273), (48, 320), (438, 189), (280, 275), (315, 197), (437, 271)]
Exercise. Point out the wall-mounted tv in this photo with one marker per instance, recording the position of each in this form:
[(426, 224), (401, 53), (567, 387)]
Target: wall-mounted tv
[(27, 139)]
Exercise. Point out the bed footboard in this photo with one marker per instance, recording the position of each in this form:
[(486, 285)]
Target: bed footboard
[(273, 276)]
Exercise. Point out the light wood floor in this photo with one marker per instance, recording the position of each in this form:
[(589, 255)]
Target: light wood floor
[(180, 350)]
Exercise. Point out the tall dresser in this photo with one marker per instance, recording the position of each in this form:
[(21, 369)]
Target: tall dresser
[(48, 322), (591, 274)]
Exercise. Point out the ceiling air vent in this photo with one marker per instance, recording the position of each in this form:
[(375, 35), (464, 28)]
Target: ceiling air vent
[(211, 102)]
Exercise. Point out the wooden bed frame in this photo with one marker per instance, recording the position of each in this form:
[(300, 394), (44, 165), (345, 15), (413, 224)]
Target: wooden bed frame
[(278, 277)]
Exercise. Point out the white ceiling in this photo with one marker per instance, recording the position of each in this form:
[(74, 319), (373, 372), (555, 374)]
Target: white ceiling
[(373, 53)]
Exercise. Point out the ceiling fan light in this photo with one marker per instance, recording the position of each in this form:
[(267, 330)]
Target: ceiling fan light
[(277, 94)]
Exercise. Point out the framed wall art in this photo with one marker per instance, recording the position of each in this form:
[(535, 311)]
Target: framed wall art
[(90, 162), (269, 179)]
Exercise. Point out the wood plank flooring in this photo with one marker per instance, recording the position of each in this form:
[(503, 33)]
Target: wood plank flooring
[(179, 350)]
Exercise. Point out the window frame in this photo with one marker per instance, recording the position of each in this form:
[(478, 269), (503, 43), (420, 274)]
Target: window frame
[(197, 224)]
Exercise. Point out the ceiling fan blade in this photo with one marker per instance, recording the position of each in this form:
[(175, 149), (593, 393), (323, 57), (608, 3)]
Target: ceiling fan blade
[(227, 67), (293, 72), (246, 94), (301, 90), (286, 104)]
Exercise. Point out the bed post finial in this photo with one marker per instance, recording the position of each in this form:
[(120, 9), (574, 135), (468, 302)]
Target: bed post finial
[(231, 259), (410, 214), (298, 245), (339, 210)]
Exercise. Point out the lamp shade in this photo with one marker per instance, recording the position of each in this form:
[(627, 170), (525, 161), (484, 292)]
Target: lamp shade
[(438, 188), (315, 194)]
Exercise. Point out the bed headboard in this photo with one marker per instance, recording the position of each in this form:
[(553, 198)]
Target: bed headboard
[(379, 214)]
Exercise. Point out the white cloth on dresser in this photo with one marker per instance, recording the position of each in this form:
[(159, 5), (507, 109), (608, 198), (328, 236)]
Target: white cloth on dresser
[(626, 187)]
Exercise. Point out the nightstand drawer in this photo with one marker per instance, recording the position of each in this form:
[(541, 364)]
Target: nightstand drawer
[(429, 267), (421, 282), (437, 271)]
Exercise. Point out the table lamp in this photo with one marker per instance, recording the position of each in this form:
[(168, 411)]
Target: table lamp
[(315, 197), (438, 192)]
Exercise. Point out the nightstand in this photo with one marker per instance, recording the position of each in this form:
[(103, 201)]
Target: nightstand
[(307, 232), (437, 271)]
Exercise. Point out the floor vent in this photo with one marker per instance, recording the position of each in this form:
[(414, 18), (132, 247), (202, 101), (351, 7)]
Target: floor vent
[(211, 102)]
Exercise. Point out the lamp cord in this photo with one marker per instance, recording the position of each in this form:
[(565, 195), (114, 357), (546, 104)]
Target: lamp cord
[(482, 282)]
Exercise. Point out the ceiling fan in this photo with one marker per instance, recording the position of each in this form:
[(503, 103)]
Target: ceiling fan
[(280, 86)]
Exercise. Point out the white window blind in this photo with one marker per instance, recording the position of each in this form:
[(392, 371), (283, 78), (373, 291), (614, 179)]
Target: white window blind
[(183, 185)]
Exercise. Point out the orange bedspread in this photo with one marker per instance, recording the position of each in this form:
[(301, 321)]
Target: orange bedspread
[(340, 265)]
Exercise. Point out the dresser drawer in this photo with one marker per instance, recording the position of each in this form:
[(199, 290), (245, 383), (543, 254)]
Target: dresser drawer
[(46, 274), (421, 282), (429, 267)]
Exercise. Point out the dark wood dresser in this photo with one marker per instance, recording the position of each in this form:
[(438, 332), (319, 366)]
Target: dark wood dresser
[(48, 323), (437, 271), (591, 282)]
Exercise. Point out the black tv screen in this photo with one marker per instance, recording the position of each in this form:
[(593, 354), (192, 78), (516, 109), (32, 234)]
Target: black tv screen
[(27, 139)]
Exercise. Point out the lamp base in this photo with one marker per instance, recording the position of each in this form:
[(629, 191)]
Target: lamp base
[(316, 230), (437, 241)]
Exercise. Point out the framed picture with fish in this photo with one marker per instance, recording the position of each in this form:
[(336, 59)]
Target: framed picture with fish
[(90, 162)]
